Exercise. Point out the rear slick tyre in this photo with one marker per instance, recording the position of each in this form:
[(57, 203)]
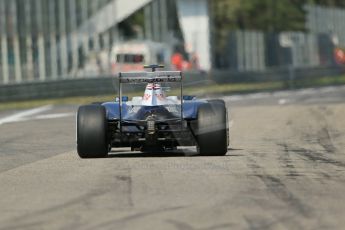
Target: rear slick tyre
[(92, 132), (212, 130)]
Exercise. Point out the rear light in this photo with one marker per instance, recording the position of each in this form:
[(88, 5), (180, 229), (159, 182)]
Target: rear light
[(151, 126)]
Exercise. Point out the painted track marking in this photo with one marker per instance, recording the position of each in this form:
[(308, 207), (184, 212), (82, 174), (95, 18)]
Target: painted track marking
[(23, 115), (54, 116)]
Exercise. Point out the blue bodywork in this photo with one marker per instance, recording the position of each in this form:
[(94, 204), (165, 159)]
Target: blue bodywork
[(190, 109)]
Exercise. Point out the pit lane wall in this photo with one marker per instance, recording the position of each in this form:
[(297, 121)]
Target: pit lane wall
[(105, 85)]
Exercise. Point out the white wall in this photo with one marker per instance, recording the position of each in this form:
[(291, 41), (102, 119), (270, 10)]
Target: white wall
[(195, 24), (111, 14)]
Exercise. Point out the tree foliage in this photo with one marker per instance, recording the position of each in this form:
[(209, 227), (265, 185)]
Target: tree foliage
[(331, 3), (263, 15), (270, 15)]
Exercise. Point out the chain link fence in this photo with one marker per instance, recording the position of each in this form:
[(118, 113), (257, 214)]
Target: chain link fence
[(258, 51)]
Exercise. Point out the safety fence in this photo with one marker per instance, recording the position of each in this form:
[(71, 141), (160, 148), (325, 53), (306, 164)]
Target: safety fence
[(258, 51)]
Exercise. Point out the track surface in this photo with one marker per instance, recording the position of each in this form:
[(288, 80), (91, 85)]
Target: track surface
[(285, 170)]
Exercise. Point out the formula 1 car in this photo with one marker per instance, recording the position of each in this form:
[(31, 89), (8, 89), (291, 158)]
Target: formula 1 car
[(154, 122)]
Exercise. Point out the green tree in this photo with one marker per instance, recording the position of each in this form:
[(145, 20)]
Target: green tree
[(270, 15), (331, 3), (263, 15)]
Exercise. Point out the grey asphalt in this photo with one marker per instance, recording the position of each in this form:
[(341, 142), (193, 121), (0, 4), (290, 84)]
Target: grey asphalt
[(285, 169)]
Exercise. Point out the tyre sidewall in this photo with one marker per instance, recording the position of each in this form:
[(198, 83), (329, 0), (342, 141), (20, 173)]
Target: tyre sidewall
[(212, 129), (92, 131)]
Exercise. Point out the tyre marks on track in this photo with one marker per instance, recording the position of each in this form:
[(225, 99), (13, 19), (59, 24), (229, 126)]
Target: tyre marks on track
[(275, 186), (282, 192), (317, 138), (287, 162), (127, 180), (313, 164), (323, 135), (316, 157), (325, 140), (121, 222), (37, 219), (179, 225), (78, 204)]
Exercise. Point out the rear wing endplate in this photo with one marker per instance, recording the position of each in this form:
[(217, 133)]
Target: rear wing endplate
[(150, 77)]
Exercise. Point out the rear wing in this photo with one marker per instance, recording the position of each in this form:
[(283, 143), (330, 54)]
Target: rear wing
[(150, 77)]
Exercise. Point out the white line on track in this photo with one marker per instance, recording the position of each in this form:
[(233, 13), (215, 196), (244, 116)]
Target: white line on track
[(282, 101), (54, 116), (22, 115)]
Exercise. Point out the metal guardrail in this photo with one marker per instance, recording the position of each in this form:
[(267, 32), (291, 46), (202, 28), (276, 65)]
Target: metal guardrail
[(57, 89), (278, 74), (107, 84)]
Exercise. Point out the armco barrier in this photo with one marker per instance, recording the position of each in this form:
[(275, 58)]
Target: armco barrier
[(107, 84), (279, 74), (56, 89)]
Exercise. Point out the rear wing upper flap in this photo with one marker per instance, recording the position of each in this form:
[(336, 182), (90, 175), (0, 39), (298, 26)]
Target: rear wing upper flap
[(150, 77)]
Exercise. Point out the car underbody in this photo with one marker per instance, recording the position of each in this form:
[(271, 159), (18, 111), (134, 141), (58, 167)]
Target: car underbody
[(159, 135)]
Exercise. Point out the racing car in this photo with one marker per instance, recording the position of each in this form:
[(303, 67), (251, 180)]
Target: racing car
[(161, 119)]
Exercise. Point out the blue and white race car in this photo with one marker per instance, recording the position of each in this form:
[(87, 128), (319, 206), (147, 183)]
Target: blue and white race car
[(154, 122)]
